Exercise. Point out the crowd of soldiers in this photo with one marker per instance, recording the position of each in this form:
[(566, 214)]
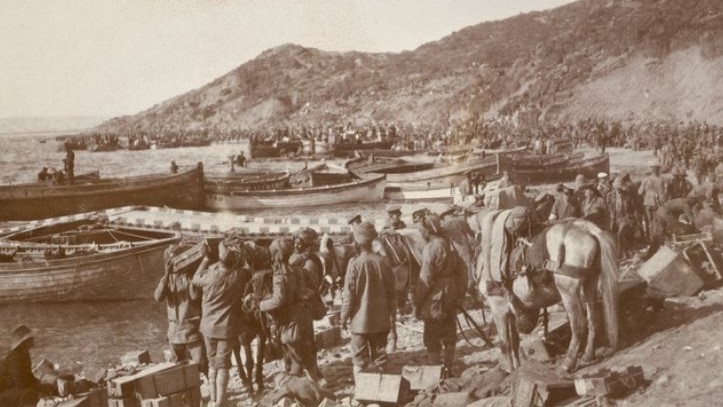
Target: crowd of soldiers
[(649, 212), (206, 308)]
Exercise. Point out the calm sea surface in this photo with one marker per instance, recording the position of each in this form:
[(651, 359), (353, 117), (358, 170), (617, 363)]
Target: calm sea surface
[(83, 337)]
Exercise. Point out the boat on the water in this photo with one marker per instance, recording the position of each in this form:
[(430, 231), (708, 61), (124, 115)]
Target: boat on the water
[(561, 172), (81, 260), (37, 200), (321, 188)]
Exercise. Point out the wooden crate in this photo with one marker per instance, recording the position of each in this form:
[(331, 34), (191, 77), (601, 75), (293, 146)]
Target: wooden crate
[(610, 382), (381, 388), (668, 274), (124, 386), (182, 377)]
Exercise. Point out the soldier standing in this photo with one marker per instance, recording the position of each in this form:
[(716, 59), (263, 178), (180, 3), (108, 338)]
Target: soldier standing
[(183, 307), (394, 220), (369, 303), (622, 215), (438, 292), (653, 192), (223, 287), (286, 307), (679, 187)]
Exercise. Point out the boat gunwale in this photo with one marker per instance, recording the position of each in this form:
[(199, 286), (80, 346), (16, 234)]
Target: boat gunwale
[(376, 178)]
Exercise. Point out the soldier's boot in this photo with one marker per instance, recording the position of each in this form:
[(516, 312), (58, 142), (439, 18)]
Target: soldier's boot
[(221, 384), (448, 360)]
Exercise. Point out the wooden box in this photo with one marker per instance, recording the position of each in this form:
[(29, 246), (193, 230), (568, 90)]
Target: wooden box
[(177, 379), (124, 386), (537, 385), (421, 377), (668, 274), (610, 383), (381, 388)]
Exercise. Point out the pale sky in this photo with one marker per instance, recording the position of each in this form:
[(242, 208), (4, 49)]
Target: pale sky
[(115, 57)]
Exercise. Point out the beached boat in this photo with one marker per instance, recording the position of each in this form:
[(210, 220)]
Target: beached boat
[(272, 148), (348, 149), (82, 260), (250, 181), (382, 165), (390, 153), (566, 171), (442, 176), (356, 188), (38, 200), (536, 161)]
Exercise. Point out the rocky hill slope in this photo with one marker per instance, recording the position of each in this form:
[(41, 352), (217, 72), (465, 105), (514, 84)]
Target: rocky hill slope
[(630, 60)]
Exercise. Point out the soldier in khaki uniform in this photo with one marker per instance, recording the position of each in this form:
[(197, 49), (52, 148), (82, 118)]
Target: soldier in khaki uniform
[(183, 307), (653, 191), (369, 302), (439, 289), (286, 306)]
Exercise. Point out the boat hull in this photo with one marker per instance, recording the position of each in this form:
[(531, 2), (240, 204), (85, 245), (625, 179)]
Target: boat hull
[(128, 274), (29, 201), (589, 167), (369, 190)]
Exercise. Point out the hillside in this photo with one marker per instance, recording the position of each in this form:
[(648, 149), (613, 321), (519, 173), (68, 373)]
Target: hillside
[(621, 59)]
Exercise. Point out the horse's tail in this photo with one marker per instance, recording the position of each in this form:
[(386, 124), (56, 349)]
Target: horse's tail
[(608, 278)]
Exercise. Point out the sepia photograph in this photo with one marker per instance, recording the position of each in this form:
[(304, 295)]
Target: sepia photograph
[(340, 203)]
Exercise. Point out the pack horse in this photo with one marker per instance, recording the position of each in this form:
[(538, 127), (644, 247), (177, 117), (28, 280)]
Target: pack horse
[(524, 269)]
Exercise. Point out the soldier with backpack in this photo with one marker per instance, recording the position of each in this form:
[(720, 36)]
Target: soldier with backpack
[(440, 288)]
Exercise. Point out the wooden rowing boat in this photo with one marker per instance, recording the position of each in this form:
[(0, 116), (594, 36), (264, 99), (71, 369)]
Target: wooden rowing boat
[(442, 176), (348, 149), (566, 171), (81, 260), (390, 153), (271, 148), (522, 161), (364, 188), (381, 165), (38, 201)]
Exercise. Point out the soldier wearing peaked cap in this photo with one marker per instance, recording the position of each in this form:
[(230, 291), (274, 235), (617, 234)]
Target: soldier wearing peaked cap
[(394, 218), (369, 303)]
